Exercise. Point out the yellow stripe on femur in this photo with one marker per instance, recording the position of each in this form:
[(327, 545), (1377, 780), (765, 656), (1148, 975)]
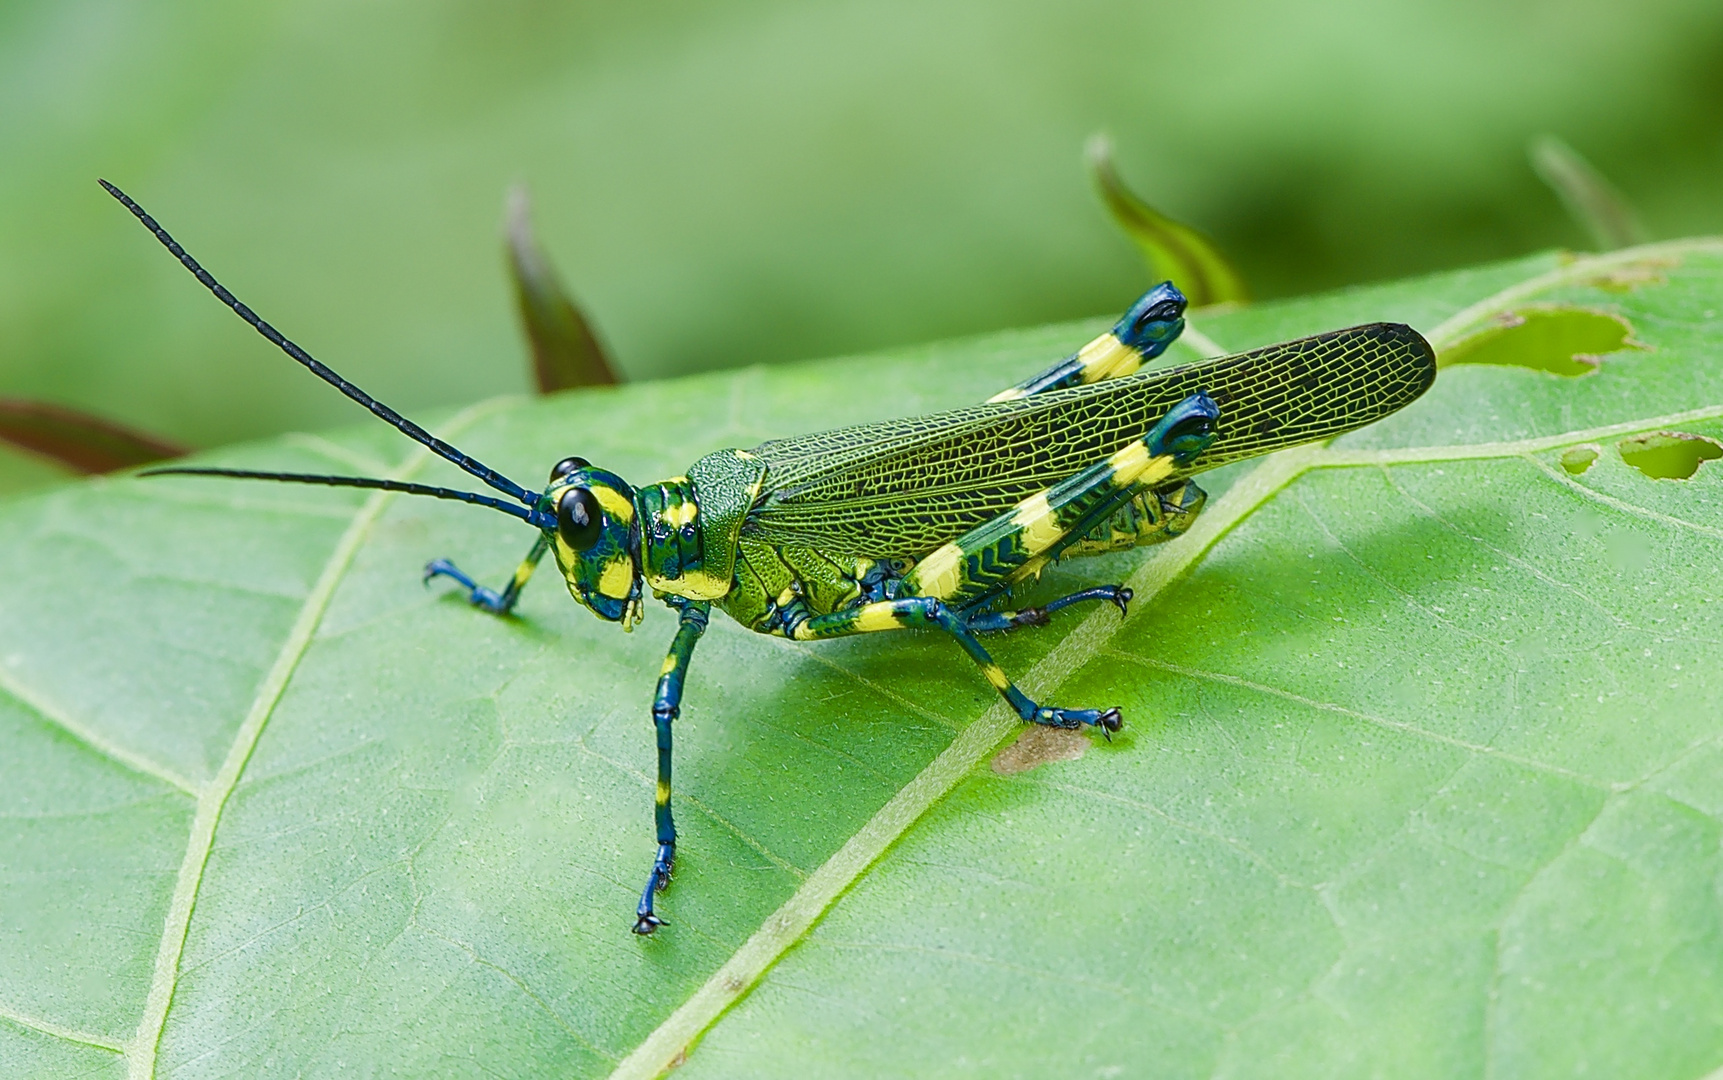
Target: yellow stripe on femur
[(1039, 525), (873, 617), (1133, 465), (1107, 358), (940, 574)]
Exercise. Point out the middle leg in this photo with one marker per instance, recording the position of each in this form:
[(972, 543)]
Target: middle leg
[(927, 612)]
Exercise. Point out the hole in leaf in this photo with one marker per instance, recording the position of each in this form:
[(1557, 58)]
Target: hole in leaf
[(1559, 340), (1577, 459), (1037, 746), (1669, 455)]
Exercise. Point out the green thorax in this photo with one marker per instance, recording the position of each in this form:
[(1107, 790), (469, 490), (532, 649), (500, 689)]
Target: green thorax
[(690, 525)]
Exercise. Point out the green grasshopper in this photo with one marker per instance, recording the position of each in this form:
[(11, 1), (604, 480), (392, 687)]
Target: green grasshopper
[(928, 522)]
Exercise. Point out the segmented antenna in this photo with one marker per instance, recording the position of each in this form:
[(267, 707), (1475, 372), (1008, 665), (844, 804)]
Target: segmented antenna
[(531, 516), (405, 426)]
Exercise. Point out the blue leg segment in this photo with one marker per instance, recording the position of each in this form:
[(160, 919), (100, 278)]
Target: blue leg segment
[(926, 612), (497, 603), (666, 706), (986, 622)]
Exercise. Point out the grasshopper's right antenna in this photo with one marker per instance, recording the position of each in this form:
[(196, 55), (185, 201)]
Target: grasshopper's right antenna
[(413, 431)]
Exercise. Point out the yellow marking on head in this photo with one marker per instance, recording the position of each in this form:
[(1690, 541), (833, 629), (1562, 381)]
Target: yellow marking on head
[(871, 618), (940, 574), (669, 666), (1133, 465), (679, 514), (617, 581), (1008, 395), (663, 794), (1040, 528), (1107, 358), (613, 503), (995, 676)]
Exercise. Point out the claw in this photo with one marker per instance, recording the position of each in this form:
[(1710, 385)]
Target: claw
[(1122, 598), (1110, 721), (645, 924)]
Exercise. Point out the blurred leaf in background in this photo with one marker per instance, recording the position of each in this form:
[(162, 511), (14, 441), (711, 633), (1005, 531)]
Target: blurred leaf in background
[(1173, 249), (42, 444), (759, 180), (565, 350), (1590, 198)]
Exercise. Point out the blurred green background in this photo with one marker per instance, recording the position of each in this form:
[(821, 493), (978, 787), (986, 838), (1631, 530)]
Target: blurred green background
[(744, 182)]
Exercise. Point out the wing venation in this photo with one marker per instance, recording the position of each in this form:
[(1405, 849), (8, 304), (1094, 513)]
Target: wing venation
[(903, 487)]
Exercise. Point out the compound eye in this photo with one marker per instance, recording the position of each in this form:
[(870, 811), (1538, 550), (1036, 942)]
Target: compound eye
[(577, 519), (566, 466)]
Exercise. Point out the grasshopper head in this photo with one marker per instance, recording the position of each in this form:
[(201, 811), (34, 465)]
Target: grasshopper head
[(1153, 321), (597, 541)]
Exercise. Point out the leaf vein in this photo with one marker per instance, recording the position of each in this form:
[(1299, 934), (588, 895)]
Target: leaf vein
[(141, 1049)]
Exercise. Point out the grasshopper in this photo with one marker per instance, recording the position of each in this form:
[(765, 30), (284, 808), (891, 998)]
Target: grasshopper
[(928, 522)]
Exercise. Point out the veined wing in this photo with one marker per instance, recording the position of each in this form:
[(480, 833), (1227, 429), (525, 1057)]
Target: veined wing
[(903, 487)]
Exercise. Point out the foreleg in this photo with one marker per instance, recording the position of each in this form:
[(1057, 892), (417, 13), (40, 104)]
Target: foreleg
[(489, 599), (666, 706)]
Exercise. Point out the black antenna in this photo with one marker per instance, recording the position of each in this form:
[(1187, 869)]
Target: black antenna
[(531, 516), (413, 431)]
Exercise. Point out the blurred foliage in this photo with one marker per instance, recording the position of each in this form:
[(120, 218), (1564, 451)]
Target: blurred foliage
[(76, 441), (1591, 200), (565, 351), (1171, 248), (726, 184)]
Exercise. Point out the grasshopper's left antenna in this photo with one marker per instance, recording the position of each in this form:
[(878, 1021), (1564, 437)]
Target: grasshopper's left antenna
[(413, 431)]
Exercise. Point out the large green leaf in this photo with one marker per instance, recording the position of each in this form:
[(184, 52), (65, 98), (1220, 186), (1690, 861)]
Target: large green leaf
[(1420, 773)]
